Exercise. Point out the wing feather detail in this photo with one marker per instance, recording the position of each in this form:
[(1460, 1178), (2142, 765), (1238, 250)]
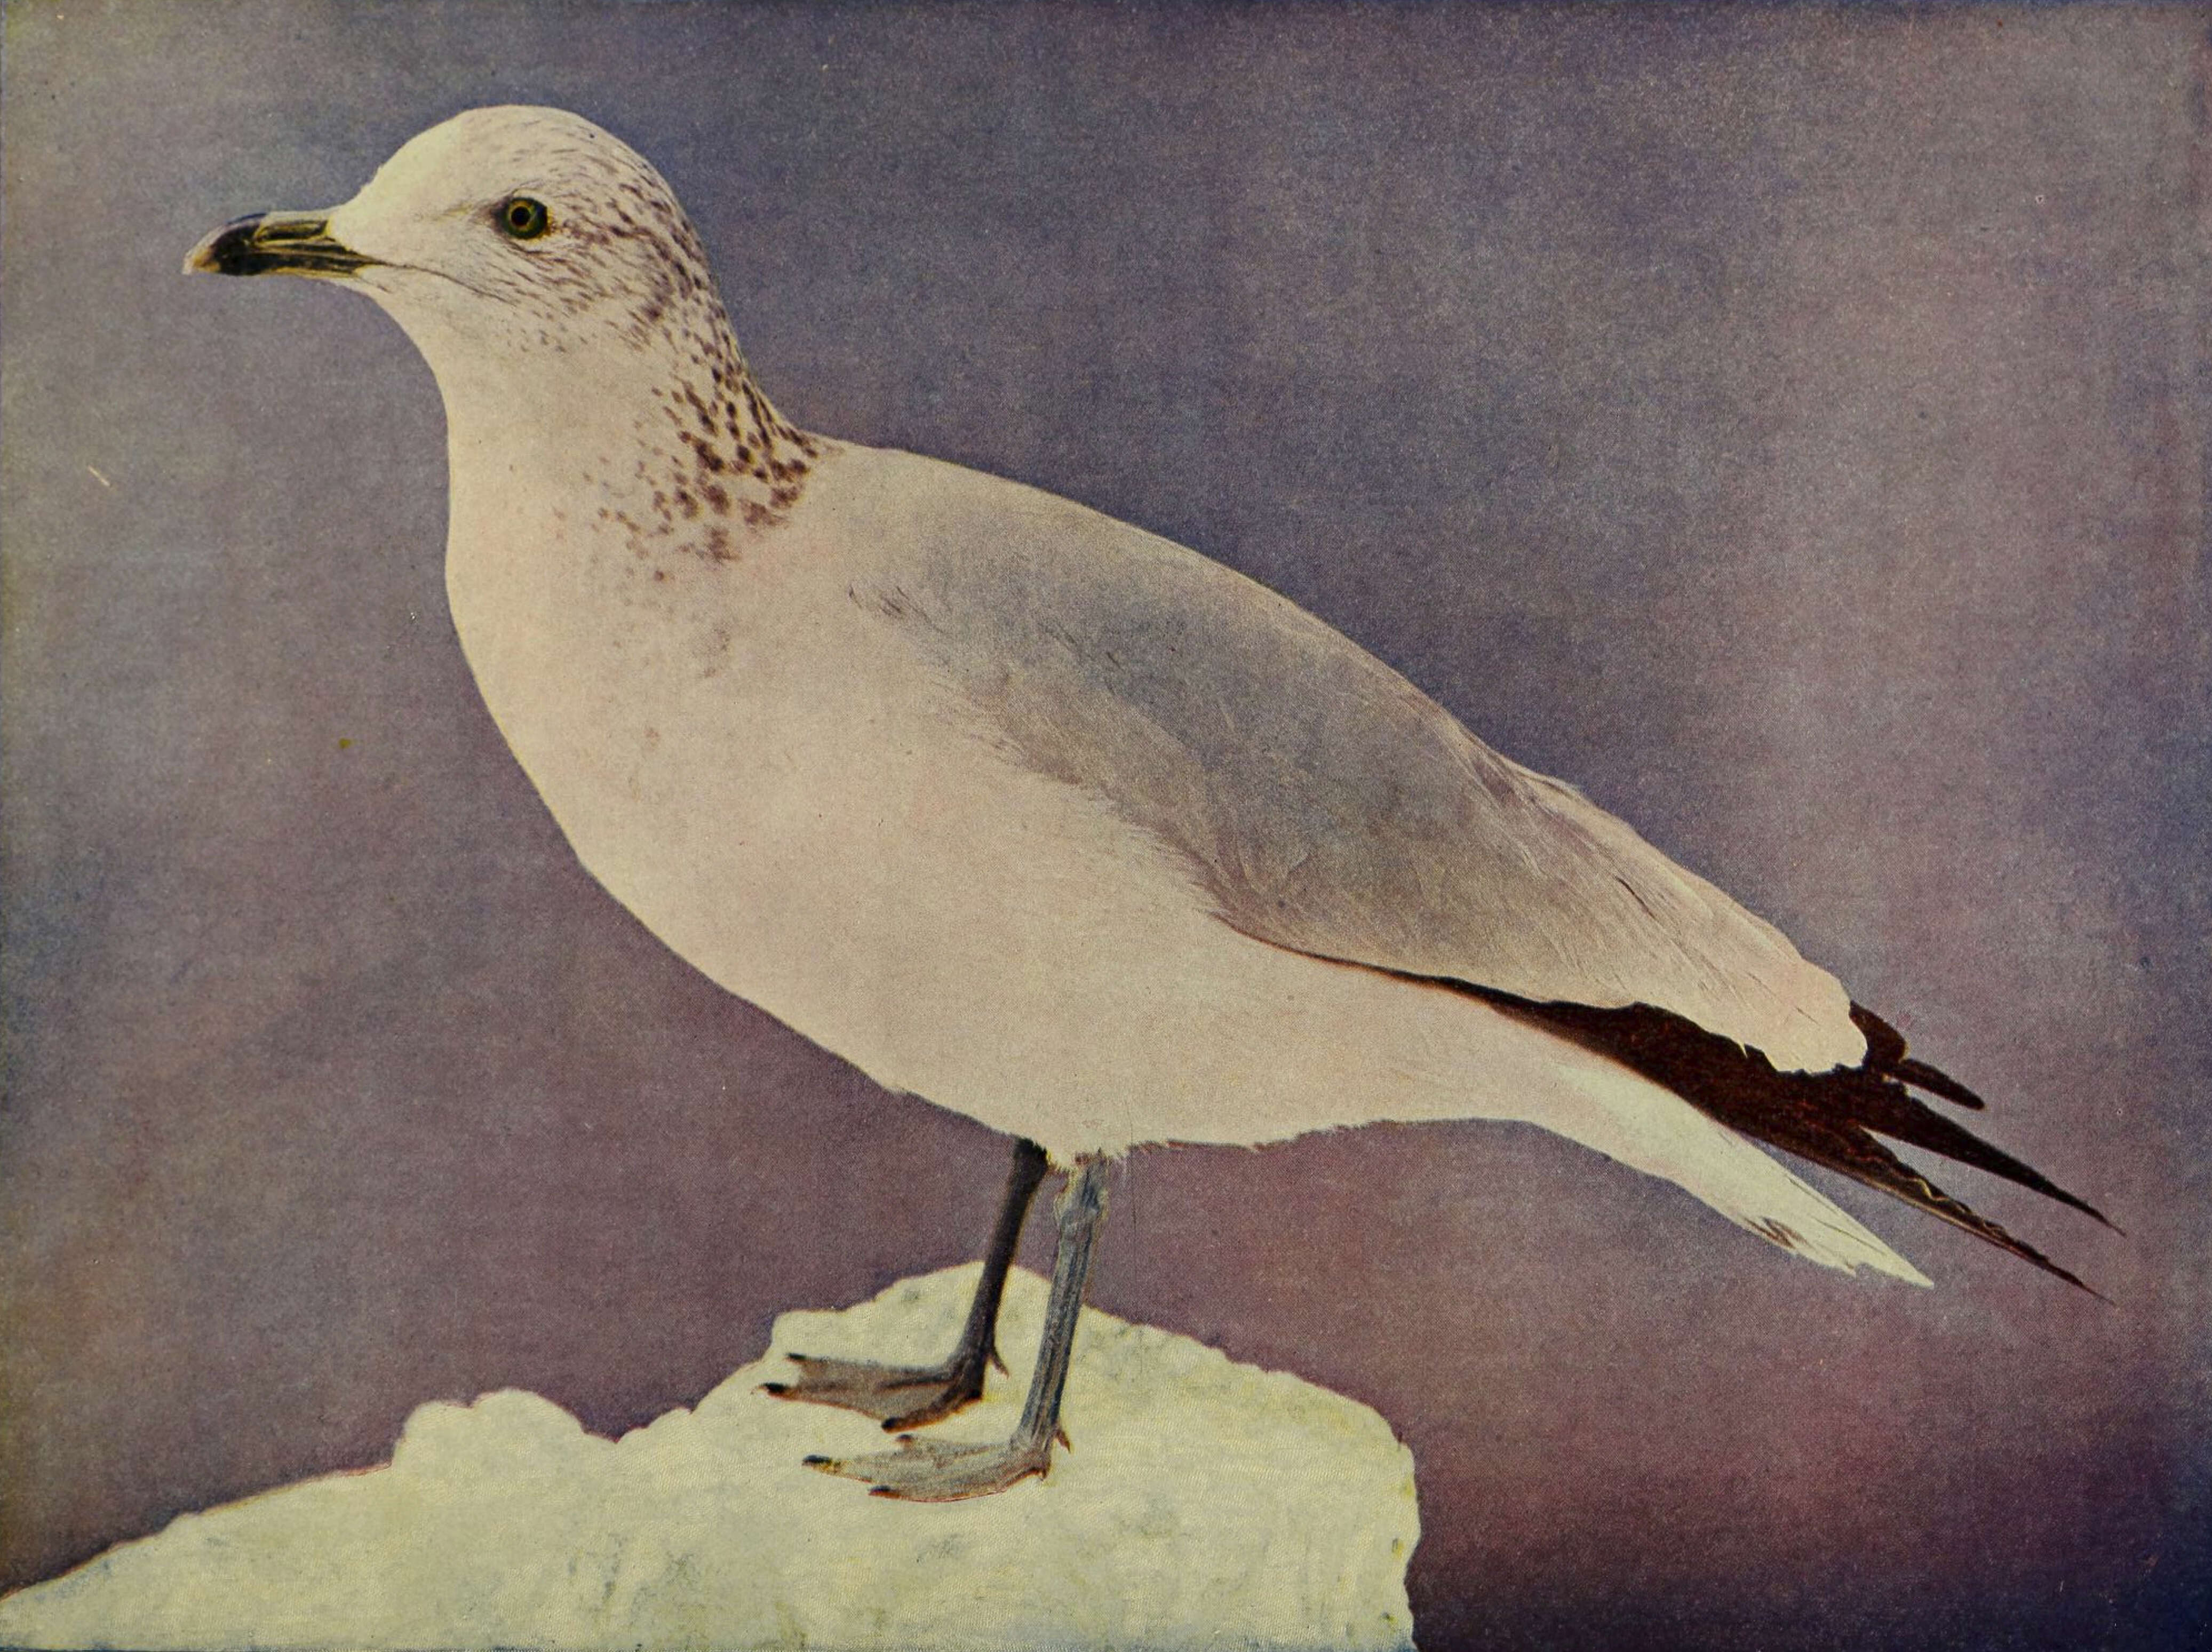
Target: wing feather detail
[(1832, 1118), (1321, 801)]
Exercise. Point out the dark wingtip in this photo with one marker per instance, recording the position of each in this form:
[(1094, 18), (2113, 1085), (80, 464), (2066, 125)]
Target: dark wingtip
[(1832, 1119), (1908, 1121), (2028, 1253), (1936, 1081), (2090, 1211), (2086, 1208), (1885, 1054), (1959, 1214)]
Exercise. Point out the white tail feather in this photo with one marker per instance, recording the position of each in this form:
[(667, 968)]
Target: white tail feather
[(1651, 1129)]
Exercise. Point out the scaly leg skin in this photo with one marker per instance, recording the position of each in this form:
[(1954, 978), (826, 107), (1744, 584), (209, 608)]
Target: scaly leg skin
[(909, 1396), (938, 1471)]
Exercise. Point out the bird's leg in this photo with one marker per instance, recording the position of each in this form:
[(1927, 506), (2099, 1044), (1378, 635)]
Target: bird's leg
[(908, 1396), (942, 1471)]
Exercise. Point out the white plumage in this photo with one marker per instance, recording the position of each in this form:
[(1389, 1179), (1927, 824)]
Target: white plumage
[(1017, 807)]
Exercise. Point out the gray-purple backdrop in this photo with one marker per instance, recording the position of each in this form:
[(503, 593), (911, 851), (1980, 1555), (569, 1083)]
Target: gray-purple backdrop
[(1791, 426)]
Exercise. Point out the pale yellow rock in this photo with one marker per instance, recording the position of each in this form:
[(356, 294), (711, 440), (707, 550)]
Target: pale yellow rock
[(1204, 1503)]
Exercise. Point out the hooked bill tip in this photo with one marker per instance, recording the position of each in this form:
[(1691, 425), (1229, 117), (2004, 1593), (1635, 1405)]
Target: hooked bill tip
[(274, 243), (210, 252)]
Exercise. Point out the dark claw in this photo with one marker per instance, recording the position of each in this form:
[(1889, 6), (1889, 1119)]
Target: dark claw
[(815, 1460), (775, 1387)]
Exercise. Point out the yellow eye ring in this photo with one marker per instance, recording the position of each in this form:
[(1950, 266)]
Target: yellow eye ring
[(522, 218)]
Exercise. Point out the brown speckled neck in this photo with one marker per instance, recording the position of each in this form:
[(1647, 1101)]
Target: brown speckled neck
[(712, 465), (714, 461), (734, 461)]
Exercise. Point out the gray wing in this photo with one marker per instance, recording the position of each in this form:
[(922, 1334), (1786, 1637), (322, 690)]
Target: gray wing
[(1323, 802)]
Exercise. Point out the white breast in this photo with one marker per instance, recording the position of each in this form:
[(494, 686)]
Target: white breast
[(749, 759)]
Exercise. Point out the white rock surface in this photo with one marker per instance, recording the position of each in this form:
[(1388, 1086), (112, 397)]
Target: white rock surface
[(1206, 1502)]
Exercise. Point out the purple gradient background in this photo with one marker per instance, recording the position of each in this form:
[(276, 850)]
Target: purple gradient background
[(1789, 425)]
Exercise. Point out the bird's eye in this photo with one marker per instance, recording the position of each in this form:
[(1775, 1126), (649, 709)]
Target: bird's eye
[(522, 217)]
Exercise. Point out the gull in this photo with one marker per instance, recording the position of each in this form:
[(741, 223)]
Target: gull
[(1036, 814)]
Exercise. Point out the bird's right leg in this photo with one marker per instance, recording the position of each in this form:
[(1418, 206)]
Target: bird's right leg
[(908, 1396), (937, 1470)]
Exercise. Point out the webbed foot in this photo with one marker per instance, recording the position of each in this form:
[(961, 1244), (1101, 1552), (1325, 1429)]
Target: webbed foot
[(897, 1396), (942, 1471)]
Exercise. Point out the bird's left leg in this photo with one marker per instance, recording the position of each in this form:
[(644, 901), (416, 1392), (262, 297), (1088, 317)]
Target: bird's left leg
[(909, 1396), (943, 1471)]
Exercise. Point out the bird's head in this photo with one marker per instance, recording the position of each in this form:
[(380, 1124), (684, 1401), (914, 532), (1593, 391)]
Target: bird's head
[(506, 232)]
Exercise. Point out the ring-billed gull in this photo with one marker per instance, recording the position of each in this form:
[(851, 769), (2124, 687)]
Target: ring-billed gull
[(1031, 812)]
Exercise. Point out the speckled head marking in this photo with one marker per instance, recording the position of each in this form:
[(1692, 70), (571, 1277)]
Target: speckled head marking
[(522, 248)]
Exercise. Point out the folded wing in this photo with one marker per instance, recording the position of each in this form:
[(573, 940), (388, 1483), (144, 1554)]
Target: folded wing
[(1326, 806), (1322, 801)]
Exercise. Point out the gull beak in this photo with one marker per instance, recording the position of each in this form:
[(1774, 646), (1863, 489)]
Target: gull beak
[(275, 244)]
